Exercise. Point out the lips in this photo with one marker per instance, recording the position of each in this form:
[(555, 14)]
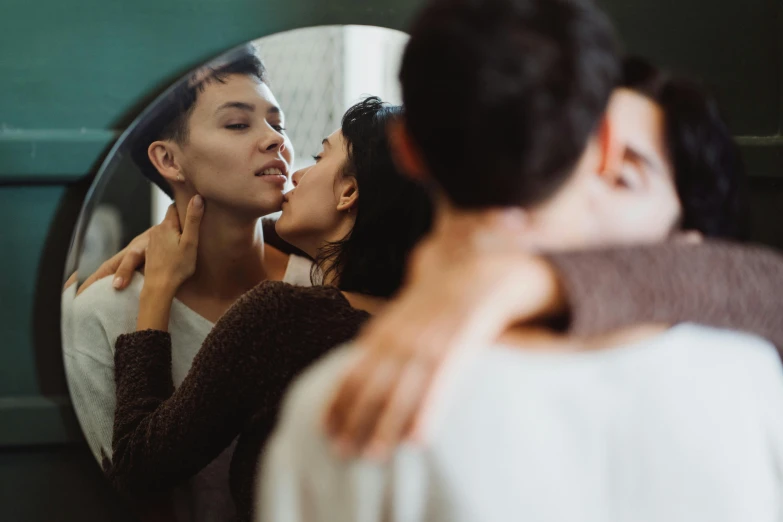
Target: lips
[(271, 172), (273, 168)]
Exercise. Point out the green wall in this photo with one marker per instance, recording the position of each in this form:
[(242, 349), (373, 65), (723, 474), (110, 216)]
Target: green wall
[(72, 76)]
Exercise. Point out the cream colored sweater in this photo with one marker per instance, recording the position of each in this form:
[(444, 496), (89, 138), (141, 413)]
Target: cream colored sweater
[(684, 427)]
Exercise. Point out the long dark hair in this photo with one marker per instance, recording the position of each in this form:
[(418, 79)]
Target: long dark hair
[(708, 168), (393, 212)]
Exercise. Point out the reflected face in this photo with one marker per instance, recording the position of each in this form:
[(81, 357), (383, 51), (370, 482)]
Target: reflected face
[(635, 201), (237, 154), (310, 215)]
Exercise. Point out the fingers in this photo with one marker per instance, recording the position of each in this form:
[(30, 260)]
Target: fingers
[(368, 400), (105, 270), (340, 406), (71, 280), (395, 421), (193, 217), (132, 260)]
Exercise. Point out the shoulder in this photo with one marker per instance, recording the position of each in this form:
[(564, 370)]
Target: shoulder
[(275, 306), (279, 300), (97, 316), (102, 295), (698, 365), (298, 271), (723, 345), (274, 294), (101, 303)]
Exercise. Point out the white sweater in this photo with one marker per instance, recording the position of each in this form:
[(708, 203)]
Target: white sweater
[(685, 427), (91, 324)]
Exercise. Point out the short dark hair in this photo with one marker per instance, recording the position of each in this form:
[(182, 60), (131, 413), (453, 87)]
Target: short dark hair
[(501, 96), (393, 212), (170, 121), (708, 168)]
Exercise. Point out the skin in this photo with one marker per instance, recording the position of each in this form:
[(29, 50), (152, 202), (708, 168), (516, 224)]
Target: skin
[(321, 206), (235, 131), (621, 192), (320, 209)]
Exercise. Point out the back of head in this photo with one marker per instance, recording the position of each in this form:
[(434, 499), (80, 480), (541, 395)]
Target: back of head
[(708, 168), (393, 213), (169, 121), (501, 96)]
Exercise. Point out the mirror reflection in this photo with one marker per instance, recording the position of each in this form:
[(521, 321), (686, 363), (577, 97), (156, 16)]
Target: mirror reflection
[(227, 144)]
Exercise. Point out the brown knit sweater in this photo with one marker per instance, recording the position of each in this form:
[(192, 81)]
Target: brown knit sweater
[(236, 384)]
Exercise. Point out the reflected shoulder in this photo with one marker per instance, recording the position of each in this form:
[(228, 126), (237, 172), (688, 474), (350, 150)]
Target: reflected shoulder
[(102, 296)]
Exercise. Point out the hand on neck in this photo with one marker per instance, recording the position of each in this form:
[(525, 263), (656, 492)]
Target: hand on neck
[(230, 254)]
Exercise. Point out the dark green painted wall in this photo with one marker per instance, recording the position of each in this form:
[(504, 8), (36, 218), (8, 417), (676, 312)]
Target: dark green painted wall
[(73, 74)]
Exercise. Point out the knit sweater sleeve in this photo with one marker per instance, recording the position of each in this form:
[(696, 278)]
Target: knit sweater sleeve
[(162, 436), (715, 283)]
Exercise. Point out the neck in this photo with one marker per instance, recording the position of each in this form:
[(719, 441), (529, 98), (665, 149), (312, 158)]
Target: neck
[(230, 258), (460, 226), (339, 232)]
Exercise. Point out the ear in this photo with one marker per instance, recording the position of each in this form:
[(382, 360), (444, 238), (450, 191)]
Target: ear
[(162, 155), (407, 157), (611, 150), (348, 198)]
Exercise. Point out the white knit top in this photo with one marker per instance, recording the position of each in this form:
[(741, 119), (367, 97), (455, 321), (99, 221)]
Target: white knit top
[(684, 427), (92, 322)]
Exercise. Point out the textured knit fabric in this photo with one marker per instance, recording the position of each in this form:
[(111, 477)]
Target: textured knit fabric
[(94, 320), (684, 427), (234, 388), (715, 283)]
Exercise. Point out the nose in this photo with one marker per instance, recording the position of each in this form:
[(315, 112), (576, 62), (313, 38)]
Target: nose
[(271, 141), (297, 176)]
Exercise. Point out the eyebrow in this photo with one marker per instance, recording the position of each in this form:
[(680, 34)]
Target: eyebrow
[(248, 107), (326, 142), (237, 105)]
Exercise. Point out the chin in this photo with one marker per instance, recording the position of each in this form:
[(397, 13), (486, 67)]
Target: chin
[(286, 234), (267, 206), (282, 229)]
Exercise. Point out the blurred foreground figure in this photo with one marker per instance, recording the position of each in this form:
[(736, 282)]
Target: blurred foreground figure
[(687, 426), (647, 424)]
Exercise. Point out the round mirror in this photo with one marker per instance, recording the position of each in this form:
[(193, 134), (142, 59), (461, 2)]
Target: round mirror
[(235, 131)]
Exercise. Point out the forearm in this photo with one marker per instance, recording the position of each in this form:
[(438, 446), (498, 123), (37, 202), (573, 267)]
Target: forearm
[(162, 437), (717, 284), (155, 307)]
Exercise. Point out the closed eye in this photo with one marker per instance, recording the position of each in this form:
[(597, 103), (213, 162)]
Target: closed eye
[(632, 177), (238, 126)]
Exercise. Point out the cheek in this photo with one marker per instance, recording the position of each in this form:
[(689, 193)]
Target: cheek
[(648, 221), (208, 163), (289, 154)]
